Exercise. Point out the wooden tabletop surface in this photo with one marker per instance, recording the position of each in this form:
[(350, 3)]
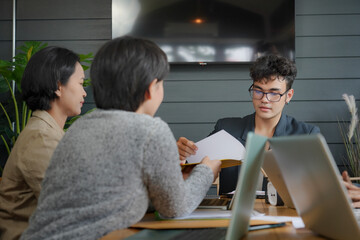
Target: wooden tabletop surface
[(286, 232)]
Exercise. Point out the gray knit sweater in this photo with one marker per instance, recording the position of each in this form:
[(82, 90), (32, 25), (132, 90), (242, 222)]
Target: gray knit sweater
[(104, 172)]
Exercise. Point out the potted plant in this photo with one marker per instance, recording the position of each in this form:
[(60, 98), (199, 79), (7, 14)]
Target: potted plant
[(351, 139), (14, 113)]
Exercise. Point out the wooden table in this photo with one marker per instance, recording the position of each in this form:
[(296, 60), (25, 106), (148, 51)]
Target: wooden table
[(287, 232)]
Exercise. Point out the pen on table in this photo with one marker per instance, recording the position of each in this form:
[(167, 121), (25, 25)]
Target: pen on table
[(263, 172)]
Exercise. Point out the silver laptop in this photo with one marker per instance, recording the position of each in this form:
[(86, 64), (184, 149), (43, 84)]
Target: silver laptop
[(273, 172), (245, 192), (315, 185)]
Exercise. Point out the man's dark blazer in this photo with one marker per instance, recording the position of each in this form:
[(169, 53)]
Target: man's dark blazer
[(239, 128)]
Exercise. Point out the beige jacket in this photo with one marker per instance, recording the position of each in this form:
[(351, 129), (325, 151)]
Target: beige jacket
[(24, 171)]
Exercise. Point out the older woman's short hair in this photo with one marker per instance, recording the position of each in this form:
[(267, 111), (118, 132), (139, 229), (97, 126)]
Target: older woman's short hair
[(122, 71)]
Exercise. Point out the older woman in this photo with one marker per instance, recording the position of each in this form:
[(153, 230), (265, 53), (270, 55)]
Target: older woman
[(52, 87)]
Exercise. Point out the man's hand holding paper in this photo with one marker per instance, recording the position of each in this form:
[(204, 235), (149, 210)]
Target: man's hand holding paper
[(220, 145), (186, 148)]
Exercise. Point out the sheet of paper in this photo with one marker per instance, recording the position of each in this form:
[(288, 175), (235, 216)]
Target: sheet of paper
[(296, 221), (211, 214), (220, 145), (206, 214)]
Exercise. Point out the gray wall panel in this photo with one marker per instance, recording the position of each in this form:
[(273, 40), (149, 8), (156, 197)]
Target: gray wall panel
[(6, 30), (237, 90), (80, 47), (344, 46), (339, 154), (64, 29), (64, 9), (324, 25), (5, 50), (227, 91), (327, 6), (331, 131), (210, 72), (325, 89), (202, 112), (328, 68), (205, 112), (321, 111), (6, 9)]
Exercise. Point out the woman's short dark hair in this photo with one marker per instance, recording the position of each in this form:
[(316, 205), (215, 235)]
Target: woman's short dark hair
[(270, 66), (122, 71), (43, 73)]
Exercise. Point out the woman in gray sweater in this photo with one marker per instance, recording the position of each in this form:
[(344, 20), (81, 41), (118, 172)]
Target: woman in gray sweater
[(112, 162)]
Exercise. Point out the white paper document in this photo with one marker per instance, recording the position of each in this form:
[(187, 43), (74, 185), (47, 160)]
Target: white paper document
[(220, 145), (211, 214), (226, 214), (296, 221), (206, 214)]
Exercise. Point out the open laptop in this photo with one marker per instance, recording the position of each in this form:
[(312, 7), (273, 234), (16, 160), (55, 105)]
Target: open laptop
[(315, 185), (274, 174), (243, 202), (245, 193)]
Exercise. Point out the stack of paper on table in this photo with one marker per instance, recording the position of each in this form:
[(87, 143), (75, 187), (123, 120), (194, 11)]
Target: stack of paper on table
[(220, 145), (207, 214)]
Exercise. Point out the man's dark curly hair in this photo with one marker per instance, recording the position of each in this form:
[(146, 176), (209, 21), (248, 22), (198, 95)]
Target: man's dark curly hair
[(270, 67)]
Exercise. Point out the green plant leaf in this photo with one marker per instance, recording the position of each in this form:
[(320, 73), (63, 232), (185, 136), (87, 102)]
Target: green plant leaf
[(3, 86), (85, 60), (17, 75), (352, 148), (10, 134), (86, 57), (6, 146), (87, 82), (5, 71)]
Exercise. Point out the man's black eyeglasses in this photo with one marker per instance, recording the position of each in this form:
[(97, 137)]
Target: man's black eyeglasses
[(270, 96)]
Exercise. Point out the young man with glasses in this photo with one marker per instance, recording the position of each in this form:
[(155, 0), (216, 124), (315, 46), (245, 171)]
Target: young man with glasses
[(271, 90)]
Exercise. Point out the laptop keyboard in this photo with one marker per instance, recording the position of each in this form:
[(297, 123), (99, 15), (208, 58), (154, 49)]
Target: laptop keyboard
[(202, 234), (215, 202)]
